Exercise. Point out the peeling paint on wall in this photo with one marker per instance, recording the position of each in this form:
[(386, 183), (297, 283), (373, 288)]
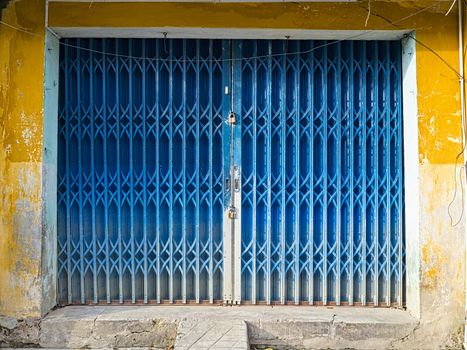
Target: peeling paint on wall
[(21, 118), (438, 85), (439, 118), (21, 101)]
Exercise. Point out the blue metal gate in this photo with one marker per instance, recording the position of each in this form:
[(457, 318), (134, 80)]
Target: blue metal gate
[(150, 171), (140, 183), (321, 159)]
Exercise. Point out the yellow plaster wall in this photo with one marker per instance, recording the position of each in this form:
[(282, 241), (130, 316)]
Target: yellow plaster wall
[(21, 117), (442, 258), (21, 69), (437, 84), (439, 119)]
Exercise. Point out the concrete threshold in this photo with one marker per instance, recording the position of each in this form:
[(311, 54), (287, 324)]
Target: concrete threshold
[(221, 327)]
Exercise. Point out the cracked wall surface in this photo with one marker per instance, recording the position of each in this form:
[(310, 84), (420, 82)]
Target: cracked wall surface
[(21, 116), (441, 244), (23, 333)]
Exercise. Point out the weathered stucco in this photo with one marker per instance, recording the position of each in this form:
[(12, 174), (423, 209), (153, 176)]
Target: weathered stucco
[(442, 260), (21, 116), (439, 122), (438, 87)]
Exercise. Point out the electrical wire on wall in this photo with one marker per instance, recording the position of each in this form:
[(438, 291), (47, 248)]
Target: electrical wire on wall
[(360, 35)]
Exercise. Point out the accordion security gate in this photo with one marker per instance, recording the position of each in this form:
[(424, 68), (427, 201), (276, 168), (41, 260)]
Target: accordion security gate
[(140, 184), (149, 167), (322, 177)]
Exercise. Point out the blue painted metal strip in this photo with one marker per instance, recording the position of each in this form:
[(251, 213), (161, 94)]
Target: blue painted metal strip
[(171, 176), (254, 224), (311, 239), (106, 172), (210, 239), (145, 174), (67, 79), (158, 176), (387, 147), (375, 175), (268, 175), (184, 175), (93, 172), (80, 176), (296, 252), (197, 218), (364, 173), (338, 103), (350, 119), (130, 173), (324, 177), (119, 177)]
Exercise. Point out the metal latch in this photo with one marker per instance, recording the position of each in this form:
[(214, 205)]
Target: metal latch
[(232, 118), (236, 185)]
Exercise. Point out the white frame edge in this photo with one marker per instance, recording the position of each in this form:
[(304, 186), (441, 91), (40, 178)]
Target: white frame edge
[(49, 277), (411, 175), (409, 111), (227, 33)]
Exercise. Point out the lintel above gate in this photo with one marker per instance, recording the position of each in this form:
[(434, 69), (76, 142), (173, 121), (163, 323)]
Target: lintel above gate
[(225, 33)]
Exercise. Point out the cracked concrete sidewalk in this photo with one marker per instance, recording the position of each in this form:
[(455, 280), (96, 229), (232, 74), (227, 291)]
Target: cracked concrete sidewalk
[(212, 334), (218, 327)]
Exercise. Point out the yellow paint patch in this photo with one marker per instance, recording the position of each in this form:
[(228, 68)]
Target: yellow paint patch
[(432, 260), (442, 249), (438, 88), (21, 118)]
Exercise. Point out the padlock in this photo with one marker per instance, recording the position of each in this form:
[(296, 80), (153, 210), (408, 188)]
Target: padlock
[(232, 118), (232, 213)]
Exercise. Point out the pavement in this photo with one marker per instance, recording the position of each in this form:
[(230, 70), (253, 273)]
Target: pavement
[(225, 327)]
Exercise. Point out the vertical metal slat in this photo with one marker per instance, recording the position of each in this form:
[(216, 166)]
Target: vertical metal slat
[(325, 177), (144, 170), (375, 176), (254, 209), (80, 175), (93, 173), (106, 174), (351, 93), (184, 175), (311, 108), (283, 113), (364, 173), (296, 243), (171, 172), (337, 86), (131, 175), (198, 184), (157, 170), (387, 147), (268, 175)]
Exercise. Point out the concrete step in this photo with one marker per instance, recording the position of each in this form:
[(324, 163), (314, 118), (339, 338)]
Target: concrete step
[(194, 334), (217, 327)]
